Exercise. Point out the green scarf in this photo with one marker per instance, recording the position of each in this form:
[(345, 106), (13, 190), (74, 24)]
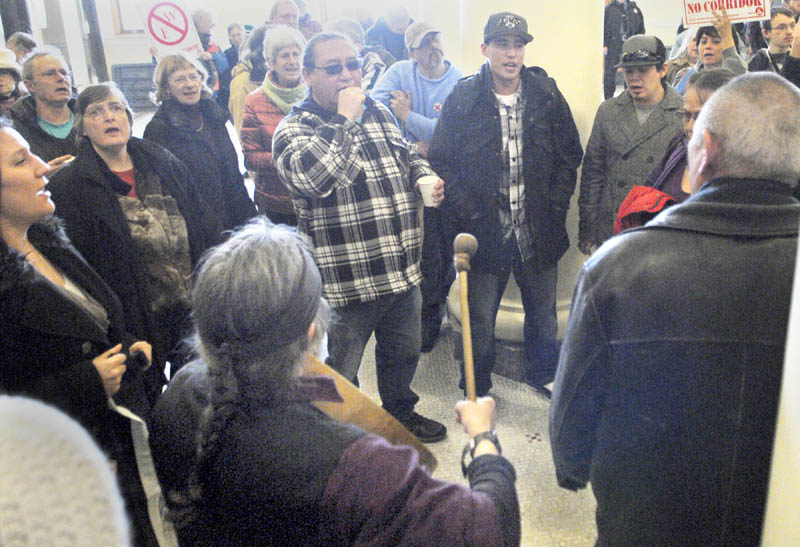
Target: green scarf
[(283, 97)]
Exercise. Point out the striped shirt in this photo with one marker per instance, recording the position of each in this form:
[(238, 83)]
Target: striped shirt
[(353, 189)]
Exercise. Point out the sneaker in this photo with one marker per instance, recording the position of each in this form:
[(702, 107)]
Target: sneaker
[(425, 429)]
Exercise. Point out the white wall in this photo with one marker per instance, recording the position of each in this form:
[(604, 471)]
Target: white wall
[(662, 17)]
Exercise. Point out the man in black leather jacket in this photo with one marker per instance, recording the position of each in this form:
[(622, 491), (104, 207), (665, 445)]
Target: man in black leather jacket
[(508, 150), (667, 388)]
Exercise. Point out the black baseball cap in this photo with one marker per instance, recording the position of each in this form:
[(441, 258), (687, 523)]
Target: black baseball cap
[(506, 23)]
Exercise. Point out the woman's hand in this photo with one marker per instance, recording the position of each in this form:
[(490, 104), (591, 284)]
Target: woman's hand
[(145, 348), (723, 25), (111, 366)]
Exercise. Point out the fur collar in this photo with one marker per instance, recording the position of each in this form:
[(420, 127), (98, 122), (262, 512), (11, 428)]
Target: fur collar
[(46, 234)]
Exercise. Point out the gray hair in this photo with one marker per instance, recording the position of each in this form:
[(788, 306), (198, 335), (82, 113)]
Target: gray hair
[(349, 27), (200, 14), (41, 51), (280, 37), (255, 297), (755, 119), (274, 9)]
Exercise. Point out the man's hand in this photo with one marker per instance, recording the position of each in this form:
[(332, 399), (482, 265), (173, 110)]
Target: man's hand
[(351, 102), (723, 25), (586, 247), (400, 103), (422, 148), (206, 56)]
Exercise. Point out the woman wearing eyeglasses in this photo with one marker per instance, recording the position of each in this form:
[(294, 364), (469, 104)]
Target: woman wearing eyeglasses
[(264, 108), (671, 175), (191, 125), (132, 209)]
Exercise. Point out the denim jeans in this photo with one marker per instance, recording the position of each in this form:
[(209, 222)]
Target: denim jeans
[(538, 289), (395, 320)]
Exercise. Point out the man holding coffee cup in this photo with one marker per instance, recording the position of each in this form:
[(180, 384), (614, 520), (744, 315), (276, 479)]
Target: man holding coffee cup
[(508, 149), (352, 178)]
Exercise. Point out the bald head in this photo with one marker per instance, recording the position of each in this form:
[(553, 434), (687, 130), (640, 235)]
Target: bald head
[(750, 128)]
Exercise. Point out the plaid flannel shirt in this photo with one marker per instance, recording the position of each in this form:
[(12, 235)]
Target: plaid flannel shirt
[(511, 191), (353, 189)]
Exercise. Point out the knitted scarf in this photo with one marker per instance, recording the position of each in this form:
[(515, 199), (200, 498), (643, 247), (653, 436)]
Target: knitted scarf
[(283, 97)]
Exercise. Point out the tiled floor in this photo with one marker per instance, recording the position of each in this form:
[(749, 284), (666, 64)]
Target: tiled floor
[(550, 515)]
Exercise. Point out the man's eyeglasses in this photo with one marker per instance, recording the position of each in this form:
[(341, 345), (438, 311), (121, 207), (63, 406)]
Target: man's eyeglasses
[(97, 111), (180, 80), (54, 74), (688, 116), (332, 70)]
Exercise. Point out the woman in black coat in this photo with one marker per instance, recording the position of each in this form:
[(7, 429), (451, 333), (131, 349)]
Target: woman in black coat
[(191, 125), (132, 210), (63, 336)]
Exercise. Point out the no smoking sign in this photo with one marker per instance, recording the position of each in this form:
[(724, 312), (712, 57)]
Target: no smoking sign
[(167, 23)]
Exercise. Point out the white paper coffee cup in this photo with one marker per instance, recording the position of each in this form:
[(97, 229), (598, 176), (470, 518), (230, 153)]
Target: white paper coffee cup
[(426, 185)]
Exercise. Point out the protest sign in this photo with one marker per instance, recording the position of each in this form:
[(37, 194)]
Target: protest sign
[(699, 12), (170, 28)]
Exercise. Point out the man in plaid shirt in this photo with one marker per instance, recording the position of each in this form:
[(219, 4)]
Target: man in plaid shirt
[(352, 179)]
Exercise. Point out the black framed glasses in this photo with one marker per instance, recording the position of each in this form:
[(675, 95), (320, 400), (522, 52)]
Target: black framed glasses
[(688, 116), (333, 70)]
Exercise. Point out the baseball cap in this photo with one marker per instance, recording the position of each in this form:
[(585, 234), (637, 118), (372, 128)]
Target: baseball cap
[(641, 50), (506, 23), (8, 61), (416, 33)]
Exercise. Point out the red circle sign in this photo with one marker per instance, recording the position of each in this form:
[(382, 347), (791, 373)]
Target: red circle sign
[(167, 23)]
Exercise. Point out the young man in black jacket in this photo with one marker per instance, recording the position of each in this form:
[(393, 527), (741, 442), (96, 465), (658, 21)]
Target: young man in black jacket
[(508, 150)]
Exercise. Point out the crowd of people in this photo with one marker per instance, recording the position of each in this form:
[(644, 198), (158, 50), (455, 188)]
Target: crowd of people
[(147, 296)]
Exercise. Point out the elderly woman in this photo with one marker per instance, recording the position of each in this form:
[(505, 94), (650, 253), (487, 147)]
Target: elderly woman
[(63, 331), (132, 210), (264, 108), (191, 125), (248, 74), (273, 470)]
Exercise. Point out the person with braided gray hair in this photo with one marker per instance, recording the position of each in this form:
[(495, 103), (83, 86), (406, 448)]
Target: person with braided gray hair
[(269, 468)]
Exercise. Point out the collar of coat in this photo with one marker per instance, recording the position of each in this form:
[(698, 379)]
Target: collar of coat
[(25, 109), (177, 115), (14, 269), (146, 157), (735, 207), (671, 100), (537, 87)]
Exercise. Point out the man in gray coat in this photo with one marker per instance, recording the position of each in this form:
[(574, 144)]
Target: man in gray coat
[(630, 134)]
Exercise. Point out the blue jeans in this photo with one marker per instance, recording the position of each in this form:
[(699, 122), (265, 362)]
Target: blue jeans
[(395, 320), (538, 289)]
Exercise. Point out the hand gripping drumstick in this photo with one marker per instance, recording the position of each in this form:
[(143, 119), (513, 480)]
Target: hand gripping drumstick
[(464, 247)]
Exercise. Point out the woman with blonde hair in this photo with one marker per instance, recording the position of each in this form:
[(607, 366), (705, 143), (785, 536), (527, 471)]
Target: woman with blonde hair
[(264, 108), (191, 125)]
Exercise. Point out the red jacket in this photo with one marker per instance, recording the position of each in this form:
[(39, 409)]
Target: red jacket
[(261, 117)]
